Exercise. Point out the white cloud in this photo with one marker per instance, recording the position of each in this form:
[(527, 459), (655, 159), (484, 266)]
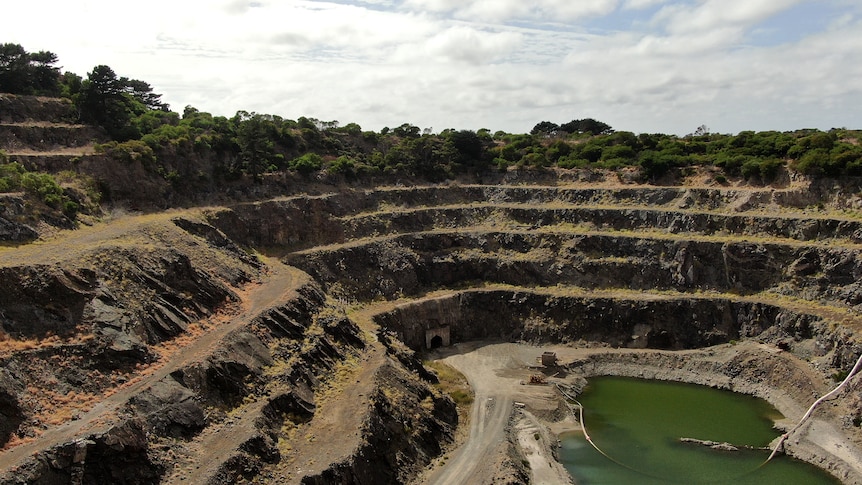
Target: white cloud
[(642, 4), (464, 44), (508, 10), (464, 64), (712, 14)]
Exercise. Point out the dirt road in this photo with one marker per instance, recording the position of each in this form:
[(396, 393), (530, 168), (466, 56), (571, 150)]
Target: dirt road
[(495, 372), (276, 287)]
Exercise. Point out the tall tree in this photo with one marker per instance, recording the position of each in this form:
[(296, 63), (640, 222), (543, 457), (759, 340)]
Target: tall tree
[(101, 102), (14, 69), (22, 72), (587, 125), (546, 127), (143, 93), (44, 76), (255, 135)]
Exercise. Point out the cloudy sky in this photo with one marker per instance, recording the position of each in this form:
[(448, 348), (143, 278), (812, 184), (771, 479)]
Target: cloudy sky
[(639, 65)]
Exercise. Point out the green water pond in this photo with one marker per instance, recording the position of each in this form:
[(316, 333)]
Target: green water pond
[(638, 424)]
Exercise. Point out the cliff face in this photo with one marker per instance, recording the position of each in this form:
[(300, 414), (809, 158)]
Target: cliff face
[(673, 323), (410, 264)]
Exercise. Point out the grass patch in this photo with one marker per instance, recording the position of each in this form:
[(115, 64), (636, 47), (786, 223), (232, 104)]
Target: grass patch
[(454, 384)]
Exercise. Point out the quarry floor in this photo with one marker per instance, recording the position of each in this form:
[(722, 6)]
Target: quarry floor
[(507, 409)]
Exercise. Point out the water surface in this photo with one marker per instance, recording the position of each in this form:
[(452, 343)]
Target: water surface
[(638, 423)]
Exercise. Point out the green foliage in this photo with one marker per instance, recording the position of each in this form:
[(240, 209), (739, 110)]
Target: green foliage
[(117, 103), (41, 186), (545, 127), (587, 125), (10, 174), (306, 164), (407, 130), (461, 397), (23, 72), (255, 136), (199, 146), (343, 165), (132, 151), (840, 375), (44, 187), (468, 147)]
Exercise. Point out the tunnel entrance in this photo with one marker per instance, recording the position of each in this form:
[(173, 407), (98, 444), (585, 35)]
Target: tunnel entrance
[(437, 337)]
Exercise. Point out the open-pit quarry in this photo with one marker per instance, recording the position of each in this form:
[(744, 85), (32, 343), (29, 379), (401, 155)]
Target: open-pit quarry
[(302, 338), (288, 340)]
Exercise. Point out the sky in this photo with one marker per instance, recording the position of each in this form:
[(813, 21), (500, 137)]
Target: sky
[(646, 66)]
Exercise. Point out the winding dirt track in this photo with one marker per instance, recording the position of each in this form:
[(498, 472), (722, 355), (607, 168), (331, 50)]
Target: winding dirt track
[(495, 372), (278, 286)]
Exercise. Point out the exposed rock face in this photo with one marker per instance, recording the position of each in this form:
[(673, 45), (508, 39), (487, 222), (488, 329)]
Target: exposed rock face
[(12, 229), (37, 300), (117, 456), (18, 137), (410, 264), (11, 410), (18, 109), (399, 437), (679, 323), (48, 299), (170, 409)]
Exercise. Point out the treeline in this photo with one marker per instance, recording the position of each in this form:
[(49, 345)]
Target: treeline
[(197, 147), (102, 98), (752, 155)]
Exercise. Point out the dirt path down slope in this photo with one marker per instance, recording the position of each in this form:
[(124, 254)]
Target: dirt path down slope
[(495, 372), (277, 286)]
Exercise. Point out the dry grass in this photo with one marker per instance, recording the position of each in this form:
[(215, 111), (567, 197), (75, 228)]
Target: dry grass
[(9, 345), (453, 383), (344, 372)]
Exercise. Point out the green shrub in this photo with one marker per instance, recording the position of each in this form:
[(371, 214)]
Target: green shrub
[(310, 162), (462, 398), (10, 176), (70, 209), (43, 186), (128, 152), (342, 165)]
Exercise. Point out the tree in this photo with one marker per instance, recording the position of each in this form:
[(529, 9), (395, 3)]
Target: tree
[(407, 130), (545, 127), (70, 85), (587, 125), (114, 102), (143, 93), (701, 130), (469, 146), (45, 78), (14, 69), (22, 72), (255, 136), (102, 102)]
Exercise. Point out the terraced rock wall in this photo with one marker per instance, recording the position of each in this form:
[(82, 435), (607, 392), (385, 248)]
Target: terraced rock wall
[(126, 360)]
